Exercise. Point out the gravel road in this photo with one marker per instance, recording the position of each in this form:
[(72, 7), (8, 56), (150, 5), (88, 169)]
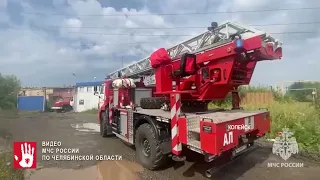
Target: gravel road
[(81, 131)]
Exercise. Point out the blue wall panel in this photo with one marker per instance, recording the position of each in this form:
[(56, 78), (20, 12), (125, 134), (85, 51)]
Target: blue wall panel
[(31, 103)]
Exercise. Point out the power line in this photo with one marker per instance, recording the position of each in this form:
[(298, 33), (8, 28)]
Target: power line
[(159, 35), (175, 14), (146, 42), (186, 27), (152, 42), (107, 43)]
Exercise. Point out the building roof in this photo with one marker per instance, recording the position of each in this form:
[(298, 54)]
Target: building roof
[(39, 88), (93, 83)]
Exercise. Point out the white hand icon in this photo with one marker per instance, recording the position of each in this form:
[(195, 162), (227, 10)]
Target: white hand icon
[(27, 156)]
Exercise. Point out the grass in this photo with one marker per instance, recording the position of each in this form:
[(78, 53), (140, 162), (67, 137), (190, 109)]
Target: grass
[(6, 170), (6, 167), (303, 119)]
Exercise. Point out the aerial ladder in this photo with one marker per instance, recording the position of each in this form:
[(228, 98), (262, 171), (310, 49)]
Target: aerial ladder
[(160, 103)]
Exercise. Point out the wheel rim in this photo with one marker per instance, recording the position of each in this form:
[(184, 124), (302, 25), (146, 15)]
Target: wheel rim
[(146, 149)]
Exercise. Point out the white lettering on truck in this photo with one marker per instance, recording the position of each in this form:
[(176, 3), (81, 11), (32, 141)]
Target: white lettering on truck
[(228, 138)]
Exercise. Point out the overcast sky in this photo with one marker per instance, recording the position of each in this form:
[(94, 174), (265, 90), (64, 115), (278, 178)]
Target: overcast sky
[(44, 41)]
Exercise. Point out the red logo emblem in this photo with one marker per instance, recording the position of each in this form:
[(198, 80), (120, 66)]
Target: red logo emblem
[(25, 155)]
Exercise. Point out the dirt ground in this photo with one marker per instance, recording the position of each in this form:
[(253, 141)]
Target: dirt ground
[(81, 131)]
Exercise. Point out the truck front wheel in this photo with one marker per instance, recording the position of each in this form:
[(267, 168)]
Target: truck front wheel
[(148, 148), (66, 108), (105, 127)]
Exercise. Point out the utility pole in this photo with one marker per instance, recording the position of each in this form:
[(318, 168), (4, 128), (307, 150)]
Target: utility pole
[(45, 105)]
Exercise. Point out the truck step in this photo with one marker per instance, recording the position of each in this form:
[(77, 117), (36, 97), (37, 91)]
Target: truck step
[(195, 146), (194, 143), (195, 130), (193, 126)]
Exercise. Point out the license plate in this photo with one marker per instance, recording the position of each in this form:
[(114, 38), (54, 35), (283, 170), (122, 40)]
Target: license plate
[(240, 149)]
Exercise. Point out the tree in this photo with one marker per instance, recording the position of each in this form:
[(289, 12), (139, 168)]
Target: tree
[(305, 92), (9, 88)]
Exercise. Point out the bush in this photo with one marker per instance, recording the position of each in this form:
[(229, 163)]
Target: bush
[(9, 89), (302, 118)]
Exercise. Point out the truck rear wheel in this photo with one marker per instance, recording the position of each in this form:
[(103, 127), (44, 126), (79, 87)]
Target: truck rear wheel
[(105, 127), (148, 149), (152, 102)]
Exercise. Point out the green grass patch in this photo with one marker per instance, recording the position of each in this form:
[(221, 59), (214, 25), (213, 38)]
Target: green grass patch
[(6, 168), (303, 119)]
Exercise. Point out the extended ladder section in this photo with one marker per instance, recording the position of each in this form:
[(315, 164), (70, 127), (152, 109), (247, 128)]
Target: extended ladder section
[(208, 40)]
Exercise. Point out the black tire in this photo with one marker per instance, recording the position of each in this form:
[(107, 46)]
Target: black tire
[(155, 159), (104, 124), (66, 108), (152, 102)]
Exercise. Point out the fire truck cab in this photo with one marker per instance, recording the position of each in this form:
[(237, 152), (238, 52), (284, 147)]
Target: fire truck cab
[(170, 113)]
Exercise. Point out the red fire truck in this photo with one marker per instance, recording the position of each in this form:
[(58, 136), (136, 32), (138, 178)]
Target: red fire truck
[(62, 105), (160, 104)]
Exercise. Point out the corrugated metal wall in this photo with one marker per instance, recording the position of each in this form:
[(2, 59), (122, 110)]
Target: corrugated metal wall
[(31, 103), (258, 98)]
